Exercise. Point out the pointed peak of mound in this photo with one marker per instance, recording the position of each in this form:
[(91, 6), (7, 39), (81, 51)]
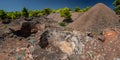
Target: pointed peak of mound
[(100, 4), (95, 19)]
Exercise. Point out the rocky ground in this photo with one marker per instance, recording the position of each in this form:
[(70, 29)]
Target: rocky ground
[(42, 38), (39, 40)]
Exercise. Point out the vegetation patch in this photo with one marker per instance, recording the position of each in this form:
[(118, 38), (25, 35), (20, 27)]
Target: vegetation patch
[(63, 24)]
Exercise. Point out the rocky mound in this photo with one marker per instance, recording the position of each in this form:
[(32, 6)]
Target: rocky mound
[(96, 19)]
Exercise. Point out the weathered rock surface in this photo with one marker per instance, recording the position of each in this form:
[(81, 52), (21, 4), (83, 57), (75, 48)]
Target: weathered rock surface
[(41, 38)]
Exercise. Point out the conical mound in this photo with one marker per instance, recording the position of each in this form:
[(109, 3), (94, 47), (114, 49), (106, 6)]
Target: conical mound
[(95, 19)]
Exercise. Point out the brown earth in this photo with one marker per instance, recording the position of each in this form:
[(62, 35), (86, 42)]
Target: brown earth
[(41, 38), (96, 19)]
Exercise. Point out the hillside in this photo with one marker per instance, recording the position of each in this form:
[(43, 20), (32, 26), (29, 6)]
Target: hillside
[(96, 19), (93, 35), (56, 16)]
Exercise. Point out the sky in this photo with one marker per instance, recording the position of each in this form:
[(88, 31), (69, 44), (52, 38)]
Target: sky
[(17, 5)]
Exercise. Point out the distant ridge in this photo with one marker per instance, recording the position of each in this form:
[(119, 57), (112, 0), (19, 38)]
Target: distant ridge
[(95, 19), (56, 16)]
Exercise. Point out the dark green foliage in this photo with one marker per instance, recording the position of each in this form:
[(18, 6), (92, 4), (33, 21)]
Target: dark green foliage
[(2, 14), (53, 11), (11, 15), (5, 26), (77, 9), (117, 9), (116, 3), (46, 11), (40, 14), (33, 13), (18, 14), (25, 12), (65, 12), (85, 9), (63, 24)]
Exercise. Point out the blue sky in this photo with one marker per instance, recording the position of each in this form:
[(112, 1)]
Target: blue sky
[(17, 5)]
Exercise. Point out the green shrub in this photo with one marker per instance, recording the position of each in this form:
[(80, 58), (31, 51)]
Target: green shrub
[(65, 12), (58, 10), (25, 12), (117, 9), (11, 15), (18, 14), (116, 3), (46, 11), (63, 24), (77, 9), (53, 11), (33, 13), (5, 26), (2, 14), (18, 57), (85, 9)]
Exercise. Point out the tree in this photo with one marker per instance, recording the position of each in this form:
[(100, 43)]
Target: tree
[(46, 11), (2, 14), (33, 13), (117, 9), (25, 12), (77, 9), (85, 9), (58, 10), (116, 3), (53, 11), (18, 14), (65, 12), (11, 15), (40, 14)]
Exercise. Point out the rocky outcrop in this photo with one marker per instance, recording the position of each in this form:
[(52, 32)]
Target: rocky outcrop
[(26, 29), (75, 45), (44, 39)]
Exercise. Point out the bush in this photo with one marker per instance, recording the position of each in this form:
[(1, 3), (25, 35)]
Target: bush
[(116, 3), (53, 11), (11, 15), (77, 9), (46, 11), (117, 9), (18, 14), (85, 9), (40, 14), (63, 24), (65, 12), (33, 13), (2, 14), (58, 10), (25, 12)]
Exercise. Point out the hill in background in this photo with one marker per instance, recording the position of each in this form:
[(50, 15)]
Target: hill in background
[(97, 18)]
